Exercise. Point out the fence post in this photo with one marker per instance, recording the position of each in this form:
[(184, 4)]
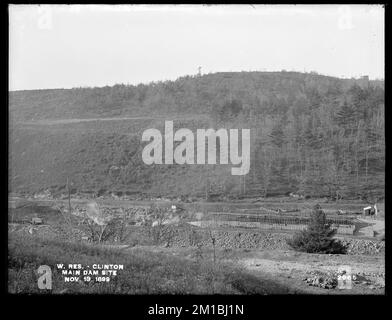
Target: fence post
[(69, 197)]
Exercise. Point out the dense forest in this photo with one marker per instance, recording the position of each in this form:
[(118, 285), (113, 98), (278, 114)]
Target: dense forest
[(311, 134)]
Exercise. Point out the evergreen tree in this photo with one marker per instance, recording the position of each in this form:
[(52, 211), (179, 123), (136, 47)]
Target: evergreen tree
[(318, 237), (345, 115), (277, 134)]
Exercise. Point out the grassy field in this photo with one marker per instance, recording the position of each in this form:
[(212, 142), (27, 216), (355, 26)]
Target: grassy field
[(145, 272)]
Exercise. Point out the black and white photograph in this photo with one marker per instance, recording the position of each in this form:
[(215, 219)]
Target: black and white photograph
[(196, 150)]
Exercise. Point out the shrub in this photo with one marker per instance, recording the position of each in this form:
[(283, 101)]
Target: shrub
[(158, 231), (318, 237), (115, 230)]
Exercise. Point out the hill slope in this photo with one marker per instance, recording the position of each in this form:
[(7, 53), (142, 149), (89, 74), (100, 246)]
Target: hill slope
[(317, 135)]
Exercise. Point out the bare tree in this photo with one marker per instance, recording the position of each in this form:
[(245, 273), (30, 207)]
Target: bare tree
[(96, 215), (212, 236), (60, 208), (159, 225)]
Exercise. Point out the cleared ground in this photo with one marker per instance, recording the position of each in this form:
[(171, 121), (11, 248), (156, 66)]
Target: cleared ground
[(261, 255)]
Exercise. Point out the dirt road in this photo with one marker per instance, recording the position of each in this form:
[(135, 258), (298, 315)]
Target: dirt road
[(79, 120)]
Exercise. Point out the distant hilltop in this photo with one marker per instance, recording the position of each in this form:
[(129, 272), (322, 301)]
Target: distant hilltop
[(169, 96)]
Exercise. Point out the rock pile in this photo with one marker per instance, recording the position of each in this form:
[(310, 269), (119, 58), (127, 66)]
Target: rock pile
[(327, 281), (373, 280), (44, 195), (266, 240), (230, 239), (134, 214), (330, 280), (367, 247)]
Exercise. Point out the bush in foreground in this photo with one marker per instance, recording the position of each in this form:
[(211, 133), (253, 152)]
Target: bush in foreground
[(318, 237)]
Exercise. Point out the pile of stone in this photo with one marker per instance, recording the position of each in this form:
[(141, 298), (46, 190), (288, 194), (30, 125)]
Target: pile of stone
[(81, 211), (137, 215), (360, 278), (322, 281), (272, 240), (44, 195), (230, 239), (372, 280), (330, 280), (132, 212), (368, 247), (63, 232)]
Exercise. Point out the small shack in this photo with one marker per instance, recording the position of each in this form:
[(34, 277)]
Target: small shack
[(370, 210)]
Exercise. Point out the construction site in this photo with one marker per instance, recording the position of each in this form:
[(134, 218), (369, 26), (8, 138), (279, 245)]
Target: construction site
[(200, 160), (229, 232)]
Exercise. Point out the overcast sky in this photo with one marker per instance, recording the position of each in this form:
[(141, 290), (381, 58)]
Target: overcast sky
[(60, 46)]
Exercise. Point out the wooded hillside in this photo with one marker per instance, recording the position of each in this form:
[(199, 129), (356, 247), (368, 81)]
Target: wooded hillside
[(311, 134)]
